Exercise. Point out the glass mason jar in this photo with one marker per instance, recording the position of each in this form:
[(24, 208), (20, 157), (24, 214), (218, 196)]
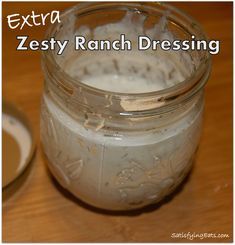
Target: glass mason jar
[(114, 149)]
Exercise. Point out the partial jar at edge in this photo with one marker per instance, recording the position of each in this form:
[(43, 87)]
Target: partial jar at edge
[(114, 150)]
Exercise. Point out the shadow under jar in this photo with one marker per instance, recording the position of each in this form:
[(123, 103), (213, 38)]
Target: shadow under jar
[(120, 128)]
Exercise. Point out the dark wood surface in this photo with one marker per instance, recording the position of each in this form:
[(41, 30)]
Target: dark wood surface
[(42, 212)]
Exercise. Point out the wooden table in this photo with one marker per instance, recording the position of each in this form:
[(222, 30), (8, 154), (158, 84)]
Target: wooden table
[(42, 212)]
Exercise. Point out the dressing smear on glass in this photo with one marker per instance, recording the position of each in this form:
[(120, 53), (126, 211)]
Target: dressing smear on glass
[(127, 71)]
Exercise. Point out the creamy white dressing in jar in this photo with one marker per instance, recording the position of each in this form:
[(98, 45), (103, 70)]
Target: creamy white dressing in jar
[(120, 128)]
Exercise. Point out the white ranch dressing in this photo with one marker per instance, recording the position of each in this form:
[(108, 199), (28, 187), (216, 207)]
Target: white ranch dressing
[(124, 171)]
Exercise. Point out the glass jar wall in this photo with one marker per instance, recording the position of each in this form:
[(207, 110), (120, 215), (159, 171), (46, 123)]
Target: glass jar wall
[(120, 129)]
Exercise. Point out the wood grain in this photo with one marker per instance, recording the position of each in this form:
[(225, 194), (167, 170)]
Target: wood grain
[(42, 212)]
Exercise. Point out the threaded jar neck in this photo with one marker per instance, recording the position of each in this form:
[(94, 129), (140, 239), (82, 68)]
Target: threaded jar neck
[(78, 95)]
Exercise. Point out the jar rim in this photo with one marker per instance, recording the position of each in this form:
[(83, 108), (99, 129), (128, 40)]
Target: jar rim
[(188, 87)]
